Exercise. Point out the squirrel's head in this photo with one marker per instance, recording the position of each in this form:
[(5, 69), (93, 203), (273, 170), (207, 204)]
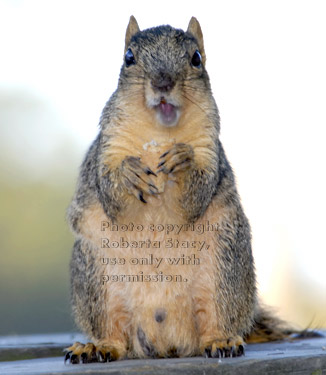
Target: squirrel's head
[(168, 66)]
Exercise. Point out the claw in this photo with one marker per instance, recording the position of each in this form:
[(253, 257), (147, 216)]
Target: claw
[(218, 353), (67, 356), (162, 163), (104, 357), (163, 155), (149, 171), (241, 350), (141, 198), (74, 359), (100, 356), (83, 357), (208, 353), (93, 357), (153, 186)]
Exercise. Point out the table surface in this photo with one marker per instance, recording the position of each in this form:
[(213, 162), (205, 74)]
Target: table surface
[(306, 356)]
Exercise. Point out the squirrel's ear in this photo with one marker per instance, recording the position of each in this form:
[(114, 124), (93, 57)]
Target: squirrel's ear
[(195, 30), (132, 29)]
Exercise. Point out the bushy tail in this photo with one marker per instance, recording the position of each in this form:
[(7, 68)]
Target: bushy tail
[(268, 327)]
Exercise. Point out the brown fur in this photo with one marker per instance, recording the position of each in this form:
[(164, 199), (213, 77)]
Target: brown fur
[(213, 309)]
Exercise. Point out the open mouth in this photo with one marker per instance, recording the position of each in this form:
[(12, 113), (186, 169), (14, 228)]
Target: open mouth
[(168, 113)]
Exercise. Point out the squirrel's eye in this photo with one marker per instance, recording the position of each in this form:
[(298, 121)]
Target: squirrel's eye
[(129, 57), (196, 59)]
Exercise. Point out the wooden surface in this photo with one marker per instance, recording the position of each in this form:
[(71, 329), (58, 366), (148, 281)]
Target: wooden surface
[(289, 357)]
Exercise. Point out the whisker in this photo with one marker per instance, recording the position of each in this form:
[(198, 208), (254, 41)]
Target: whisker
[(193, 88), (191, 100)]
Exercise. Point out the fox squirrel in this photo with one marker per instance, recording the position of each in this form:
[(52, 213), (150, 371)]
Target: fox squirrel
[(162, 263)]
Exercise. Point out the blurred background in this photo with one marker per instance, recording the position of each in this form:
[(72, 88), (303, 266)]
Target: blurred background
[(59, 64)]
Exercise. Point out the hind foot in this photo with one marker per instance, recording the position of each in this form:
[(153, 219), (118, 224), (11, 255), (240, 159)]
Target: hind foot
[(88, 353), (231, 347)]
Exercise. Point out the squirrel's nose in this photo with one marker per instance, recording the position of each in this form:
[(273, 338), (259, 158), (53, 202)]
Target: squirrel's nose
[(163, 83)]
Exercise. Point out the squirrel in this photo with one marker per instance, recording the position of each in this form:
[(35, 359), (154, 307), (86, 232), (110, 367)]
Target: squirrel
[(145, 282)]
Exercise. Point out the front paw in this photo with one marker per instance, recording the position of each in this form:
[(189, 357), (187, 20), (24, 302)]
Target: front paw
[(178, 158), (231, 347), (136, 178)]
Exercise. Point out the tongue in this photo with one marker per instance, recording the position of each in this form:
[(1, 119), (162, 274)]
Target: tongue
[(167, 109), (168, 112)]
